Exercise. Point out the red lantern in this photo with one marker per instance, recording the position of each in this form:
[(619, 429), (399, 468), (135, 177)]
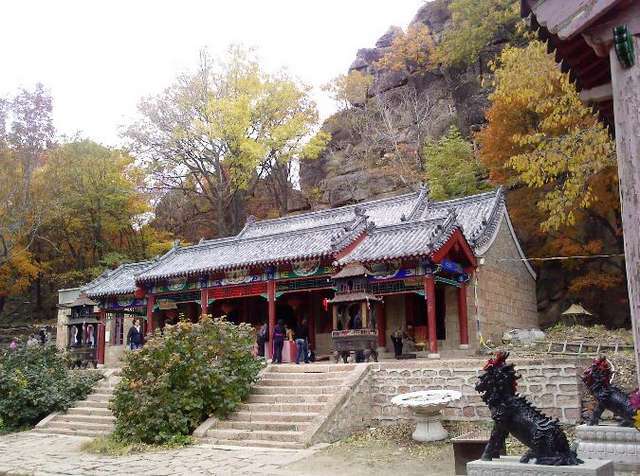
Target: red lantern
[(139, 293), (325, 304)]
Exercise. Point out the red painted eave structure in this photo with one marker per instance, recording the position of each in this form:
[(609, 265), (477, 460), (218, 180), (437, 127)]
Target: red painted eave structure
[(566, 26)]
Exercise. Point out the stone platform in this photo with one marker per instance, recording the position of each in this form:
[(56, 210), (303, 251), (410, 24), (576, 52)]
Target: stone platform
[(510, 466), (618, 444)]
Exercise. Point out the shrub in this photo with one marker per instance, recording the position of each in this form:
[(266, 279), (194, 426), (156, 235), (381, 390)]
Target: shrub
[(179, 379), (35, 381)]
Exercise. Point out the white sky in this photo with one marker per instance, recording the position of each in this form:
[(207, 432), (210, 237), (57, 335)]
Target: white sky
[(99, 58)]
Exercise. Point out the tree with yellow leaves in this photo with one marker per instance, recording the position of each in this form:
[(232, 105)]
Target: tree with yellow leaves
[(541, 134), (216, 133), (410, 51), (558, 161), (474, 25)]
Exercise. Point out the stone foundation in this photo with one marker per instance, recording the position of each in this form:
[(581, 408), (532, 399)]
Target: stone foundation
[(618, 444), (551, 385), (509, 466)]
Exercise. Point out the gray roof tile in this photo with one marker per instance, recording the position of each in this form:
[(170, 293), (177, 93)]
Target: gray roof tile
[(406, 225), (117, 281), (416, 238)]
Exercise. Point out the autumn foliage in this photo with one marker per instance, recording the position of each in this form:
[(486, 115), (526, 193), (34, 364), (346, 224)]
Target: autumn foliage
[(559, 162)]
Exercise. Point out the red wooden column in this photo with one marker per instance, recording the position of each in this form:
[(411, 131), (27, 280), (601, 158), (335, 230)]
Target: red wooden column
[(151, 302), (382, 326), (101, 331), (271, 298), (312, 320), (462, 316), (430, 296), (204, 302)]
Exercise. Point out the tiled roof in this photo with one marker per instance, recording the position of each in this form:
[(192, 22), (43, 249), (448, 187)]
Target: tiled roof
[(416, 238), (477, 215), (382, 212), (241, 252), (121, 280), (406, 225)]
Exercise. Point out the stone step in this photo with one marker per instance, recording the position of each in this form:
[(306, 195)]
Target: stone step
[(280, 407), (75, 432), (233, 434), (89, 411), (303, 417), (108, 419), (282, 382), (80, 425), (268, 425), (99, 397), (301, 376), (91, 404), (288, 398), (256, 443), (293, 390), (311, 369)]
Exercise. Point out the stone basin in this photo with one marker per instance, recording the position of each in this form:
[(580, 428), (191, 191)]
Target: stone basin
[(427, 405)]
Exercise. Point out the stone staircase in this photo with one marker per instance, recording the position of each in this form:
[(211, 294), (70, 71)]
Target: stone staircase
[(284, 407), (90, 417)]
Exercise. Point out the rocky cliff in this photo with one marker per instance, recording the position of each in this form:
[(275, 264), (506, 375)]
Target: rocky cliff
[(351, 170)]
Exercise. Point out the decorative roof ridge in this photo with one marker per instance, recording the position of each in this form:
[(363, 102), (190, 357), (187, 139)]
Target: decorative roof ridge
[(443, 232), (423, 201), (358, 226), (407, 224), (487, 228), (327, 211), (239, 240), (469, 198)]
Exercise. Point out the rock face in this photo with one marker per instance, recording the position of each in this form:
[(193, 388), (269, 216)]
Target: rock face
[(340, 176)]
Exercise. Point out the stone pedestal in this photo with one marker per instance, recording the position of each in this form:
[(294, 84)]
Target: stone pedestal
[(428, 427), (510, 466), (618, 444)]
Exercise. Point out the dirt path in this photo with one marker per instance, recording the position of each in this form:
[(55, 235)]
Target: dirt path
[(374, 459)]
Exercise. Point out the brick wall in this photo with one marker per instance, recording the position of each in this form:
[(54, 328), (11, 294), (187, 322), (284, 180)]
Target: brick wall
[(553, 386), (506, 290)]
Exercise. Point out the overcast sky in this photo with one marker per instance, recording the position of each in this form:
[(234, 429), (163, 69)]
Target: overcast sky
[(99, 58)]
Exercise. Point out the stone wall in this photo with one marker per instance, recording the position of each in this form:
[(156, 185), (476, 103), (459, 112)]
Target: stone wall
[(552, 385), (348, 412), (506, 290)]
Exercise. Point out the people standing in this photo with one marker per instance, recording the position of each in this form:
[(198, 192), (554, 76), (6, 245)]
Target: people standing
[(262, 338), (279, 334), (134, 337), (302, 342), (396, 338)]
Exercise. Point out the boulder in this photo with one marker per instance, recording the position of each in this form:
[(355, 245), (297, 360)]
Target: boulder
[(522, 336)]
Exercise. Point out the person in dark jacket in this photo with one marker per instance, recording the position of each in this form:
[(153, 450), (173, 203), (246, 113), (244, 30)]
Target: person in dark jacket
[(302, 342), (279, 334), (134, 337), (396, 338), (262, 337)]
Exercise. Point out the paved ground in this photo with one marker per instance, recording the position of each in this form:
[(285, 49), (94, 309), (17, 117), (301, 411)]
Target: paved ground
[(40, 454)]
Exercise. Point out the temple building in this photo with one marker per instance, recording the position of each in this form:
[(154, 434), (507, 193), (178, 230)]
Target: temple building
[(447, 273)]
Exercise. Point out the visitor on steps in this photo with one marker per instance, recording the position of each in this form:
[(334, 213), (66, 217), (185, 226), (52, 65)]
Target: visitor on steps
[(262, 338), (302, 342), (279, 335), (134, 337)]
